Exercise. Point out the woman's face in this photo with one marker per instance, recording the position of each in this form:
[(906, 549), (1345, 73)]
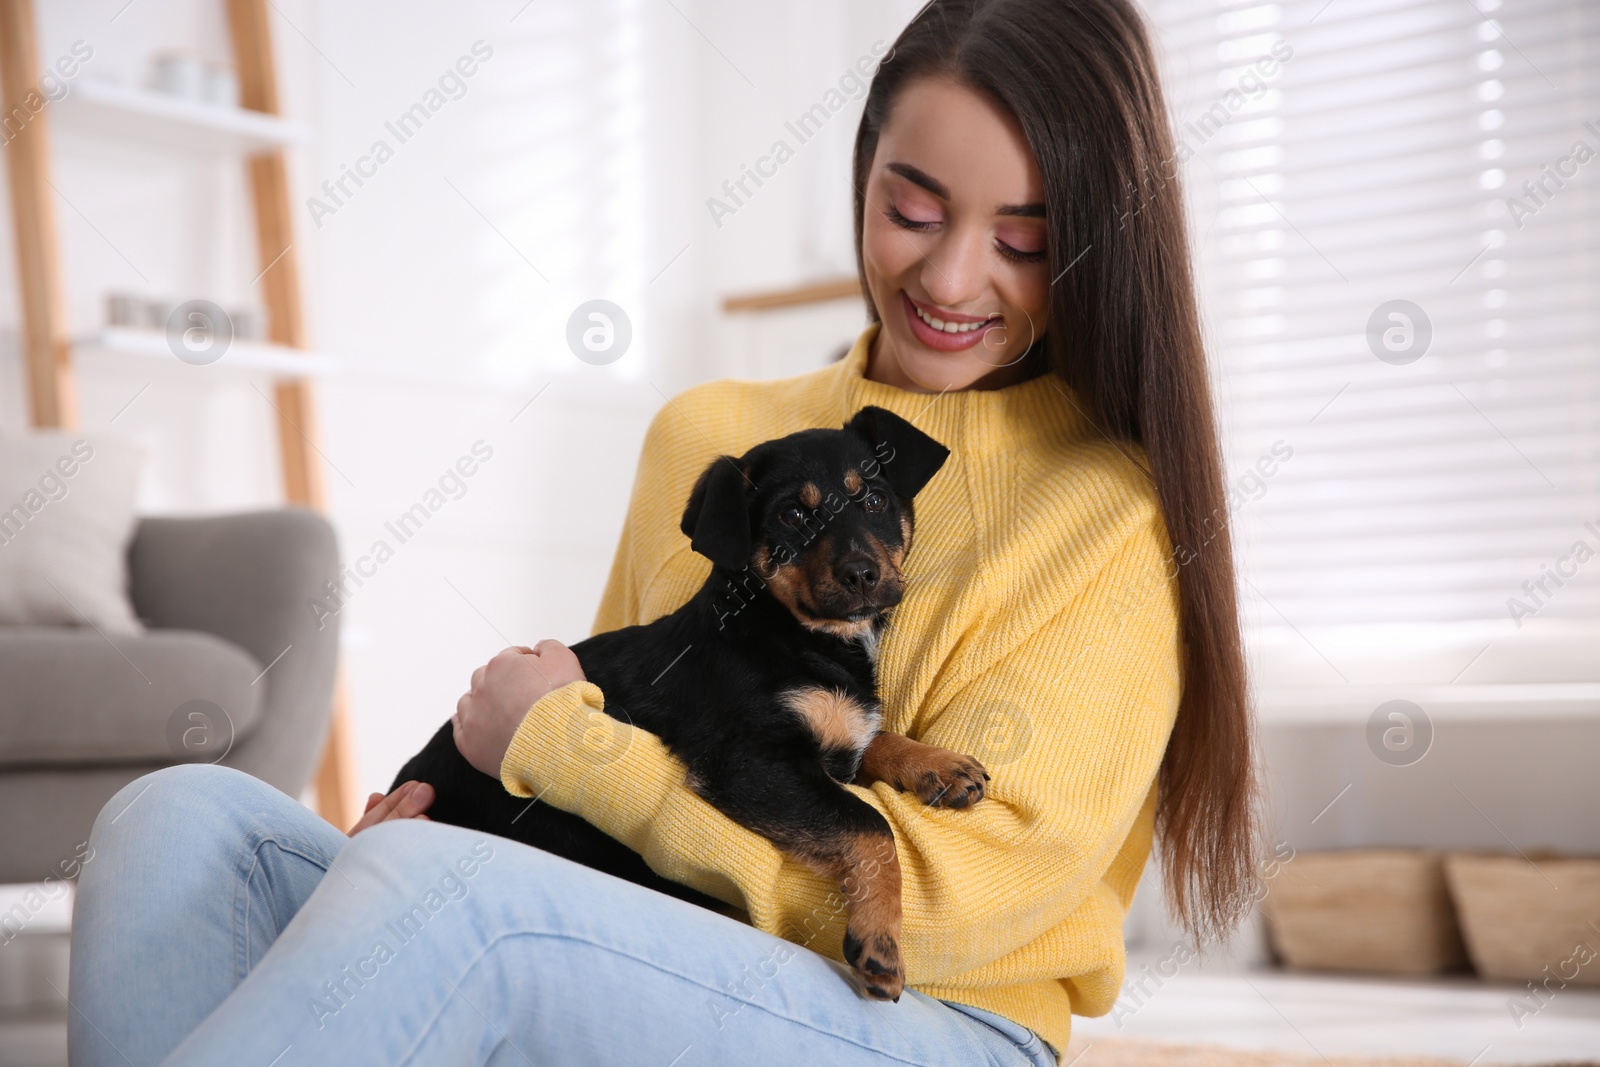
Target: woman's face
[(953, 231)]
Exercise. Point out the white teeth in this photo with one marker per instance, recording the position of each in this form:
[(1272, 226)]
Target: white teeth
[(949, 327)]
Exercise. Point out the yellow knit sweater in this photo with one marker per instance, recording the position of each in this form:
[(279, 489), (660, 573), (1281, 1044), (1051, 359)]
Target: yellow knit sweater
[(1038, 632)]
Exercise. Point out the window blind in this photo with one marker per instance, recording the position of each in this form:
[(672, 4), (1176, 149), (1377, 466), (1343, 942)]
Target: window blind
[(1394, 210)]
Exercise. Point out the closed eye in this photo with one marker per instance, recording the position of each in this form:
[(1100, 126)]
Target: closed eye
[(1018, 257), (894, 216), (1015, 255)]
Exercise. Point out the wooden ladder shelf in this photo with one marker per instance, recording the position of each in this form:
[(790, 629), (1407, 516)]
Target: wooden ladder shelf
[(47, 352)]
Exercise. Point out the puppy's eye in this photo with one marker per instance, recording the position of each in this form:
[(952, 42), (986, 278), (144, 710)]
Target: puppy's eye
[(792, 515), (874, 501)]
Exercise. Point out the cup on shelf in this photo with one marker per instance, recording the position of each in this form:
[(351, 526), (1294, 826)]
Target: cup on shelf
[(156, 313), (221, 85), (248, 325), (180, 74), (124, 309)]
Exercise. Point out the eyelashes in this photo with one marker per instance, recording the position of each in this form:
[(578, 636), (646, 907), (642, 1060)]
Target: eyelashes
[(900, 220), (1016, 256), (892, 213)]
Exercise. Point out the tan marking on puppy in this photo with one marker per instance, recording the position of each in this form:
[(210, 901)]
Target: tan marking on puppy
[(790, 582), (836, 719), (872, 935), (940, 777), (852, 482), (905, 534), (843, 629), (889, 560), (866, 869), (810, 495), (785, 582)]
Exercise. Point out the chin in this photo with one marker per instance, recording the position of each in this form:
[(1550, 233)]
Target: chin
[(937, 371)]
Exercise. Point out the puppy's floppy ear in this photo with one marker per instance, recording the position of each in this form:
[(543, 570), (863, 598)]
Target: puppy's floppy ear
[(909, 456), (717, 519)]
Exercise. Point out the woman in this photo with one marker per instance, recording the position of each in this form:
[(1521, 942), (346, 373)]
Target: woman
[(1069, 619)]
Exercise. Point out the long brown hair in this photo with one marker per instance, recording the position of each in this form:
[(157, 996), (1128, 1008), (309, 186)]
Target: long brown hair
[(1080, 78)]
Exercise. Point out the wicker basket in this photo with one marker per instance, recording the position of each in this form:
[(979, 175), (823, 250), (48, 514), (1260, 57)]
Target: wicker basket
[(1373, 910), (1521, 916)]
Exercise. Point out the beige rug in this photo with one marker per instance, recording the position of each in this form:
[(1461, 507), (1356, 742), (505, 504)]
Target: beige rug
[(1123, 1052)]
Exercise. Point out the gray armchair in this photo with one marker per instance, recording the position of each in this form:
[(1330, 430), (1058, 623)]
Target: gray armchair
[(226, 600)]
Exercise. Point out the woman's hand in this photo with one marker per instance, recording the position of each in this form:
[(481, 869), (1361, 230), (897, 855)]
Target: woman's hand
[(407, 802), (502, 692)]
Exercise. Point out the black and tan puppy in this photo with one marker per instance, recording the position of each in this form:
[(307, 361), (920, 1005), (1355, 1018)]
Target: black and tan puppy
[(764, 684)]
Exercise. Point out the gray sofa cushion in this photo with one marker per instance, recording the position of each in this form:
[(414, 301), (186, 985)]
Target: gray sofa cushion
[(67, 696), (67, 519)]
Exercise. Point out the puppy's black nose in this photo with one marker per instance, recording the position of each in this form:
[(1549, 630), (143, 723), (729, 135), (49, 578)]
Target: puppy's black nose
[(860, 573)]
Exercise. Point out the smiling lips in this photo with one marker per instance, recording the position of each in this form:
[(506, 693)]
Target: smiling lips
[(948, 332)]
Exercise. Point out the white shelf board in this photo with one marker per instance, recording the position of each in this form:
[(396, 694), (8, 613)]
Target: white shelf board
[(1511, 702), (161, 120), (242, 357)]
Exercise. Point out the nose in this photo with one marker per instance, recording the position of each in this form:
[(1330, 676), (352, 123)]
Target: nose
[(953, 274), (860, 573)]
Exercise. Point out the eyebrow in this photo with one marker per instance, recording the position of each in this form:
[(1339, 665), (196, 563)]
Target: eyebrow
[(942, 191)]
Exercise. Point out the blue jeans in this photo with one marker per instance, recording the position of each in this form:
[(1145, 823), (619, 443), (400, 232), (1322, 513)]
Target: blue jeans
[(219, 921)]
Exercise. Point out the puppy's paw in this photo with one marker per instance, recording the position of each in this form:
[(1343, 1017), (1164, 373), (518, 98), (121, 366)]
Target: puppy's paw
[(950, 779), (875, 958)]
